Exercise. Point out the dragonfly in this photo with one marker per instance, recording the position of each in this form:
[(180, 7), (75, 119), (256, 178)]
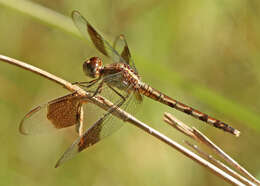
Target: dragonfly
[(121, 78)]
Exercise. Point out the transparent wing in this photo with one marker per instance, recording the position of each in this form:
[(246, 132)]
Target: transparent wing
[(121, 46), (88, 31), (60, 113), (102, 128), (57, 114)]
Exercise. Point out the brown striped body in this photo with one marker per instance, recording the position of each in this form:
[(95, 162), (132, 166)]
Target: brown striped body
[(162, 98), (129, 78)]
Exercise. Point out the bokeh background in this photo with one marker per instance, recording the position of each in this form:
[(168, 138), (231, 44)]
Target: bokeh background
[(203, 53)]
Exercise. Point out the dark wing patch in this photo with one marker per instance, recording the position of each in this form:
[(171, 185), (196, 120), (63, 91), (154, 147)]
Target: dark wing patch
[(64, 112), (88, 31), (56, 114), (120, 42), (97, 39)]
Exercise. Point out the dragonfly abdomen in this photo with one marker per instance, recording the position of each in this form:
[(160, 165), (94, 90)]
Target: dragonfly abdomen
[(162, 98)]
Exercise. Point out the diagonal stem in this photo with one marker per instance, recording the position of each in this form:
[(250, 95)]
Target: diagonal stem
[(106, 104)]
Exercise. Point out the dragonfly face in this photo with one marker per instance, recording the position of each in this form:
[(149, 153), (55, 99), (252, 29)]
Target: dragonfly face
[(92, 67)]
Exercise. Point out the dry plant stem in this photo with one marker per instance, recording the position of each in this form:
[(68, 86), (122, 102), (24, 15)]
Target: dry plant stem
[(198, 136), (220, 164), (226, 157), (177, 124), (106, 104)]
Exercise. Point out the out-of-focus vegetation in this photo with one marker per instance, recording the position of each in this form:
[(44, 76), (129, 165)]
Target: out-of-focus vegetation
[(204, 53)]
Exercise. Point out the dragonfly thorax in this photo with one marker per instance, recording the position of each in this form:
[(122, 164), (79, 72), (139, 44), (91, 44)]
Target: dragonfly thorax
[(92, 67)]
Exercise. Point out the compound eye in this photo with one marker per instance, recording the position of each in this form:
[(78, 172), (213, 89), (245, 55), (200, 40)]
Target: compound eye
[(92, 67)]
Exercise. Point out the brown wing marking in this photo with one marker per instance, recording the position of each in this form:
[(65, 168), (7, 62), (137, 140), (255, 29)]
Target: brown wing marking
[(56, 114), (64, 112), (97, 39)]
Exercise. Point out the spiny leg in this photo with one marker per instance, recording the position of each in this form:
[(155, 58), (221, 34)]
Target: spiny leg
[(84, 82), (106, 80), (89, 83), (114, 90), (99, 89)]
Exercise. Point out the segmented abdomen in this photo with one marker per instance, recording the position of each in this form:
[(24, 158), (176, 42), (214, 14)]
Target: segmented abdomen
[(158, 96)]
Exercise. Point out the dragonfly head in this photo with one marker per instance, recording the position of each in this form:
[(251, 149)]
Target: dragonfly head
[(92, 67)]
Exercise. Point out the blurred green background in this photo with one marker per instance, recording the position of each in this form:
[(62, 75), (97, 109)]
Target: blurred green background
[(203, 53)]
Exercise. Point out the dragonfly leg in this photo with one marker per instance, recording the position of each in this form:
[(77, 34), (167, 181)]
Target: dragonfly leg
[(99, 89), (89, 83), (112, 109), (114, 90), (83, 82), (109, 111)]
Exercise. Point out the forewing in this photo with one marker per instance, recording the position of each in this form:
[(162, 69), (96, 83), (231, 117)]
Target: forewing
[(57, 114), (88, 31)]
